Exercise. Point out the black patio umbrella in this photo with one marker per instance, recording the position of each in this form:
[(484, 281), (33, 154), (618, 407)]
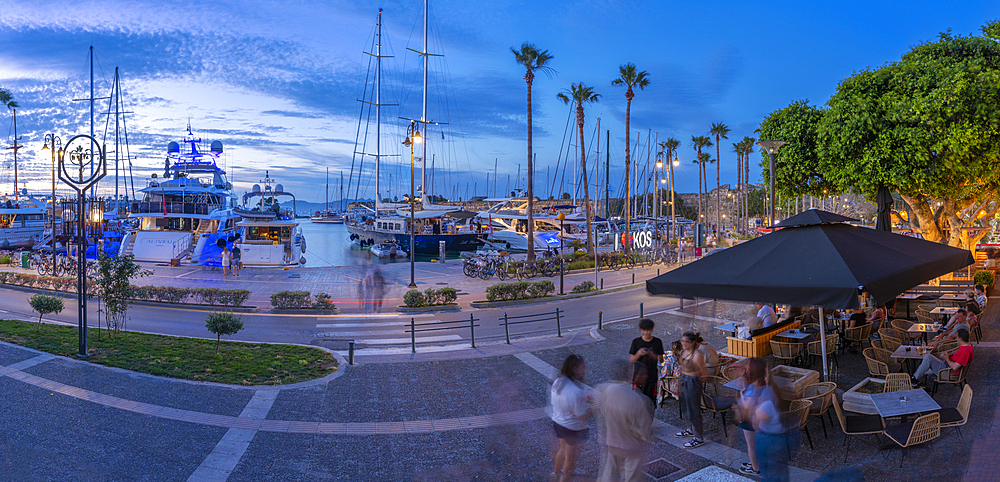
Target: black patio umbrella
[(814, 259), (883, 199)]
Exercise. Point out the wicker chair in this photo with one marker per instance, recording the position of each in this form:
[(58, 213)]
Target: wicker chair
[(732, 372), (924, 316), (876, 368), (958, 416), (715, 402), (717, 368), (895, 382), (921, 430), (945, 375), (785, 351), (856, 425), (821, 396), (815, 350), (926, 307), (946, 303), (800, 409), (889, 339), (665, 384), (859, 334), (885, 356), (880, 343)]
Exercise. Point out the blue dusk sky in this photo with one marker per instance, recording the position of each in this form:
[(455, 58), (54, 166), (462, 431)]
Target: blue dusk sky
[(279, 82)]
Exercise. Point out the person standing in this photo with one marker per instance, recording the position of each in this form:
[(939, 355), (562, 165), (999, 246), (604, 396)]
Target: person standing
[(225, 260), (627, 427), (235, 261), (647, 351), (378, 288), (777, 437), (754, 378), (570, 410), (693, 371)]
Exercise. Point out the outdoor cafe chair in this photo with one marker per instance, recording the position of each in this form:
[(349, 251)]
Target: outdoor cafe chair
[(732, 372), (921, 430), (895, 382), (958, 416), (717, 368), (885, 356), (945, 348), (799, 409), (714, 401), (815, 350), (945, 303), (924, 316), (859, 334), (785, 351), (889, 339), (876, 368), (926, 307), (945, 375), (665, 384), (857, 425), (821, 396)]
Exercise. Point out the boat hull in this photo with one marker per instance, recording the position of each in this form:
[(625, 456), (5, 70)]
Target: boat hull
[(20, 237), (423, 243)]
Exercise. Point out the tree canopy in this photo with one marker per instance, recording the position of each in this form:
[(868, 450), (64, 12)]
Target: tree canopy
[(926, 127)]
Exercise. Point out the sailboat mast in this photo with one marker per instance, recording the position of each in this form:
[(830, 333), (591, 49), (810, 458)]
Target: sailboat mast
[(117, 95), (342, 192), (423, 116), (378, 107), (16, 147), (327, 192)]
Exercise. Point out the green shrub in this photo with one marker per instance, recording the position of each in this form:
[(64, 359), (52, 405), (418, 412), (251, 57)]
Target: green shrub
[(44, 305), (5, 259), (541, 288), (287, 300), (223, 323), (584, 287), (984, 277), (431, 297), (447, 295), (519, 291), (414, 298), (323, 302)]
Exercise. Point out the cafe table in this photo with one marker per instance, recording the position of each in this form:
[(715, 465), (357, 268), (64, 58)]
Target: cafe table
[(908, 297), (924, 329), (944, 311), (890, 404), (907, 353), (730, 327), (953, 297)]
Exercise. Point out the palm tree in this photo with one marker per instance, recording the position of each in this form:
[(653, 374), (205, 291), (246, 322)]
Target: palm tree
[(748, 143), (738, 149), (7, 100), (532, 59), (699, 142), (720, 131), (578, 94), (706, 158), (629, 77), (669, 148)]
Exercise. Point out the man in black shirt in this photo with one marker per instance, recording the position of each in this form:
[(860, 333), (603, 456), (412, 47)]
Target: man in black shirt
[(647, 350)]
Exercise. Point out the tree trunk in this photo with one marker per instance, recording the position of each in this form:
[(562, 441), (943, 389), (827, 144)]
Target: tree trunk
[(586, 187), (628, 173), (529, 77), (718, 199)]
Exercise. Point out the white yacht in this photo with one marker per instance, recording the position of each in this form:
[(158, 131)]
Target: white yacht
[(270, 235), (22, 221), (183, 216), (507, 223)]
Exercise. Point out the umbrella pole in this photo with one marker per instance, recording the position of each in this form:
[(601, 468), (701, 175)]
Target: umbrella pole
[(822, 339)]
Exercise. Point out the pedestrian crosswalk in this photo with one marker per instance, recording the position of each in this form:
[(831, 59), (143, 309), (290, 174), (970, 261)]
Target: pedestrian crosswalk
[(383, 330)]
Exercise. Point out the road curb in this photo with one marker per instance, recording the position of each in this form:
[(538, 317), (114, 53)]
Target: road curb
[(451, 307), (500, 304)]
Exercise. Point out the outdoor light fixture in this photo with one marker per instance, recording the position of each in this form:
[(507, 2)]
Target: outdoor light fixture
[(771, 147), (412, 137)]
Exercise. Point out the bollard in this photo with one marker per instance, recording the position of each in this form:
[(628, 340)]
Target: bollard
[(558, 325), (640, 310), (657, 271), (633, 278), (350, 352), (600, 320), (472, 329), (413, 336), (602, 283), (506, 327), (682, 302)]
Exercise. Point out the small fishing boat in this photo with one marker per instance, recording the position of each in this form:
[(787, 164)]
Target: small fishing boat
[(387, 250)]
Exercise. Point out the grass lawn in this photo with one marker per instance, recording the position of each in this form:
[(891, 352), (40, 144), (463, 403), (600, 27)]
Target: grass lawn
[(175, 357)]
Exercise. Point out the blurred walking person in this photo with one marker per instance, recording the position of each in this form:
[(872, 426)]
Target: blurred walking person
[(693, 371), (754, 378), (777, 436), (378, 288), (627, 426), (571, 407)]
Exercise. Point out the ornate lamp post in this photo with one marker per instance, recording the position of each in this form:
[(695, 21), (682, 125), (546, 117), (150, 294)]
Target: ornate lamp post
[(562, 233), (772, 147), (84, 151), (412, 137), (673, 212), (56, 142)]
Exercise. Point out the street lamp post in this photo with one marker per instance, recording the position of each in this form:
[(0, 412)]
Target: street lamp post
[(412, 137), (673, 212), (84, 151), (771, 147), (56, 142), (562, 232)]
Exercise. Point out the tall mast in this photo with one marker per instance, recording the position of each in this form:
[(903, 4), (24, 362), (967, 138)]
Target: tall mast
[(117, 95), (378, 106), (328, 188), (423, 117), (15, 148), (342, 192)]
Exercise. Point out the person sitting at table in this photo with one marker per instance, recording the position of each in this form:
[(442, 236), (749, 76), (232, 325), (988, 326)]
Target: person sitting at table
[(879, 313), (958, 321), (670, 368), (765, 317), (981, 296), (857, 318), (961, 358)]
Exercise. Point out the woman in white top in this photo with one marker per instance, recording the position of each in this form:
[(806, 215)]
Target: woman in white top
[(570, 411), (225, 260)]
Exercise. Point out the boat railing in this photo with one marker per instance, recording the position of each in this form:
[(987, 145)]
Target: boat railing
[(144, 207)]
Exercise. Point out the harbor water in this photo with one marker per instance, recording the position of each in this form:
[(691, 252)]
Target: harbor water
[(329, 245)]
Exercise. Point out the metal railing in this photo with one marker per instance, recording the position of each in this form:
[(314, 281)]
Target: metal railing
[(442, 325), (534, 318), (145, 207)]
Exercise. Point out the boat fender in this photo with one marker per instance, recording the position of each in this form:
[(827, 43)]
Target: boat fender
[(302, 260), (302, 242), (353, 237)]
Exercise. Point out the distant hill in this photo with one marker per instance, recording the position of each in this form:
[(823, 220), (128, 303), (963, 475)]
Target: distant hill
[(306, 207)]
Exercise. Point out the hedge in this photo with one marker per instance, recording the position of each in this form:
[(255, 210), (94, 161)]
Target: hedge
[(521, 290), (162, 294), (301, 300), (430, 297)]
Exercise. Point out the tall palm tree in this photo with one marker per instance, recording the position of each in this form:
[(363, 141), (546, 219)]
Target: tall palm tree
[(580, 94), (669, 148), (748, 143), (7, 100), (720, 131), (738, 149), (532, 59), (706, 158), (700, 142), (629, 77)]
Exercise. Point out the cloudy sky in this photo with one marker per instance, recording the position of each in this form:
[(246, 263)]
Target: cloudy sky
[(278, 82)]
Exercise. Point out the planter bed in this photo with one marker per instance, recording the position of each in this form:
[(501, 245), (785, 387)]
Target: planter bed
[(857, 399), (305, 311), (428, 309), (793, 380)]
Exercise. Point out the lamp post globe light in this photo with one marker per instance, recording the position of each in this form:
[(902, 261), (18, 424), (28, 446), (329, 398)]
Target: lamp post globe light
[(771, 147), (412, 137), (56, 143)]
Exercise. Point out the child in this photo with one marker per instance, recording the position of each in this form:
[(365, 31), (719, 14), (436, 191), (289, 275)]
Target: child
[(647, 350)]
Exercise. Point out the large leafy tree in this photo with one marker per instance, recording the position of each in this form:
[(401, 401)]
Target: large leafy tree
[(532, 59), (720, 131), (630, 78), (797, 168), (580, 94)]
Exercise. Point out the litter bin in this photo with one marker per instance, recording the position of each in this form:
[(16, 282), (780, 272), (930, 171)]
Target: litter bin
[(25, 260)]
